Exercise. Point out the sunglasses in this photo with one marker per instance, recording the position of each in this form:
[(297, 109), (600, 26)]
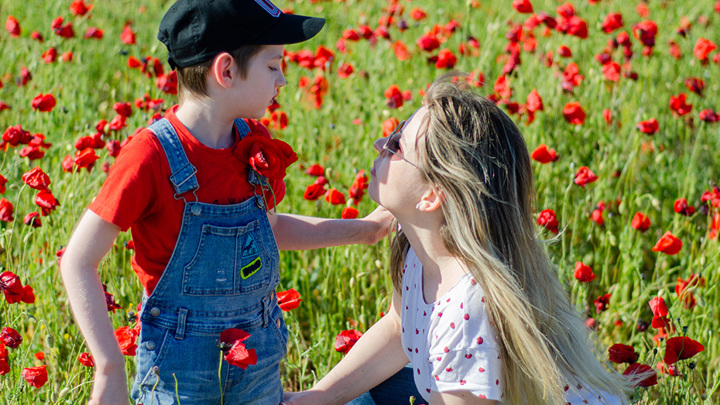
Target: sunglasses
[(392, 144)]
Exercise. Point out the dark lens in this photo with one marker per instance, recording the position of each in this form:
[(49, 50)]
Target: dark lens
[(393, 143)]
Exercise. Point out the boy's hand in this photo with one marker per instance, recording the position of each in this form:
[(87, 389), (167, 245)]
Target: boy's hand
[(110, 387), (379, 222)]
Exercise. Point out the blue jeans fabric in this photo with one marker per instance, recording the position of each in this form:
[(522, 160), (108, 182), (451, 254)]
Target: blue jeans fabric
[(222, 274), (396, 390)]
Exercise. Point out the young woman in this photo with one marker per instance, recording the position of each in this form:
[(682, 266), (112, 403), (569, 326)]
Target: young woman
[(477, 309)]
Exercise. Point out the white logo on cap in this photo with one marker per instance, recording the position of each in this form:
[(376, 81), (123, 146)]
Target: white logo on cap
[(269, 7)]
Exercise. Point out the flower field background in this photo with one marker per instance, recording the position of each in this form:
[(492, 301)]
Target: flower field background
[(617, 101)]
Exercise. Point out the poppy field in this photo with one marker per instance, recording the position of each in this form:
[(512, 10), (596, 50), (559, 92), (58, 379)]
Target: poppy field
[(617, 101)]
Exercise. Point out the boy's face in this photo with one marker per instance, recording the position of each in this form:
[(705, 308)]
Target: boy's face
[(258, 89)]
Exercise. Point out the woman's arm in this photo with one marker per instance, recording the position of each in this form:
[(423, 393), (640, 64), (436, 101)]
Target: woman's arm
[(374, 358), (90, 242)]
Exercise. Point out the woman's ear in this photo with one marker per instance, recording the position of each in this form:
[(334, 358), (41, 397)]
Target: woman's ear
[(430, 201), (222, 70)]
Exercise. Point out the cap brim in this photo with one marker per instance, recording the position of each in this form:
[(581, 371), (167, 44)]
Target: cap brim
[(290, 29)]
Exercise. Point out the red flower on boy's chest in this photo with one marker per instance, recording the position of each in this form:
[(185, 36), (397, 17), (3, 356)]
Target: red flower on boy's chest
[(269, 157)]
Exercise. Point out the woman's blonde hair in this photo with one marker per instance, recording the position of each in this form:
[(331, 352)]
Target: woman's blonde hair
[(475, 156)]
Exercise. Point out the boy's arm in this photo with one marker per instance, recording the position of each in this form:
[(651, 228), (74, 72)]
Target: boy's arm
[(297, 232), (375, 357), (91, 240)]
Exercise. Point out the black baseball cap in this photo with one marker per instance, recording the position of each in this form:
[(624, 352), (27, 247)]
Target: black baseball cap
[(196, 30)]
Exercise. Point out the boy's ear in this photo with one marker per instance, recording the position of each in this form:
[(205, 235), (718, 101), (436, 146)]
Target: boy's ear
[(223, 69), (430, 201)]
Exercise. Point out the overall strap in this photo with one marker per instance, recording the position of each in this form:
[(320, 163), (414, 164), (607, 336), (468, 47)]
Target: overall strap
[(183, 173), (254, 177)]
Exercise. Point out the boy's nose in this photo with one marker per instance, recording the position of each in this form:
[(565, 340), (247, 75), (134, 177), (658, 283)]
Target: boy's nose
[(282, 81)]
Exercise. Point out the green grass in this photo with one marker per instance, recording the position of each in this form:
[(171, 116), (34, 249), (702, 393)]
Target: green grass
[(349, 287)]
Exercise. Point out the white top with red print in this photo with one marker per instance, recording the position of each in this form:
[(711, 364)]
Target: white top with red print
[(452, 345)]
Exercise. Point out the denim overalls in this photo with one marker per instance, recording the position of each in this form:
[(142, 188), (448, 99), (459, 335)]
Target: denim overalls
[(222, 274)]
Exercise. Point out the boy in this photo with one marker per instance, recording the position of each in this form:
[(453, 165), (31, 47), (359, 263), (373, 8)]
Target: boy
[(202, 218)]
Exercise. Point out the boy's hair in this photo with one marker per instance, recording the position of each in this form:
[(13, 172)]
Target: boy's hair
[(191, 79)]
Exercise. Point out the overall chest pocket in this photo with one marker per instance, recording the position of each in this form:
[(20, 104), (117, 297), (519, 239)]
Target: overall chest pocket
[(229, 260)]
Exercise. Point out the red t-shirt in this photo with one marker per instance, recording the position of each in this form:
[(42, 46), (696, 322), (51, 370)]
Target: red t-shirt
[(138, 194)]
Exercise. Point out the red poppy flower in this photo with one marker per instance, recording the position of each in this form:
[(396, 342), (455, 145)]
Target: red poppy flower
[(640, 222), (43, 102), (12, 26), (679, 106), (645, 32), (668, 244), (358, 187), (611, 71), (658, 307), (638, 368), (3, 182), (35, 376), (50, 55), (681, 207), (696, 85), (10, 337), (33, 219), (446, 59), (345, 70), (548, 219), (6, 210), (703, 47), (584, 176), (534, 102), (649, 127), (315, 170), (127, 339), (65, 31), (86, 359), (682, 289), (314, 192), (345, 340), (46, 201), (127, 36), (583, 273), (124, 109), (681, 348), (400, 50), (574, 113), (36, 179), (601, 303), (79, 8), (269, 157), (597, 216), (40, 355), (564, 51), (288, 300), (573, 25), (612, 22), (544, 155), (709, 116), (522, 6), (349, 213), (394, 96), (428, 42), (417, 14), (236, 353), (333, 196), (620, 353)]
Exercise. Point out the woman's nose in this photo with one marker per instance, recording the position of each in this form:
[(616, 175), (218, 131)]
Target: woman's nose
[(379, 143)]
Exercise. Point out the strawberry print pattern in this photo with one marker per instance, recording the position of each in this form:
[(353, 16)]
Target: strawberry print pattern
[(452, 345)]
